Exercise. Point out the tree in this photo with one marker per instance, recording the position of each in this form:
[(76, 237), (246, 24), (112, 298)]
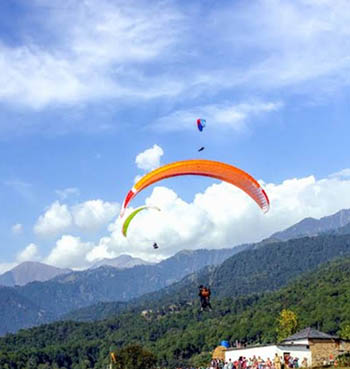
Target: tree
[(345, 331), (286, 324), (201, 359), (134, 357)]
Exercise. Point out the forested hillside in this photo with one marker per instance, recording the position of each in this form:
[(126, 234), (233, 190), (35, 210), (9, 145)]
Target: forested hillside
[(75, 290), (180, 333), (264, 268)]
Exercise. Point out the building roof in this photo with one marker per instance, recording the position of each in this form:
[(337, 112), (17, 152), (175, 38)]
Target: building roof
[(268, 345), (309, 333)]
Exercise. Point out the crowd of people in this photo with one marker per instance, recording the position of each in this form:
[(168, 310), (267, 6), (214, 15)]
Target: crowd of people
[(258, 363), (278, 362)]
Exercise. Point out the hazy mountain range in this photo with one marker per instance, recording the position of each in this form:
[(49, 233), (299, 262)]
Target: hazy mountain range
[(30, 271), (121, 262), (313, 227), (243, 269)]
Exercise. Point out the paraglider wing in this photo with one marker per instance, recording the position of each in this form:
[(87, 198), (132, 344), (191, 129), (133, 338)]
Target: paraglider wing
[(132, 216), (208, 168), (201, 124)]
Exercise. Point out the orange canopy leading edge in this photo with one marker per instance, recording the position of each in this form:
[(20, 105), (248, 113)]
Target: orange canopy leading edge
[(208, 168)]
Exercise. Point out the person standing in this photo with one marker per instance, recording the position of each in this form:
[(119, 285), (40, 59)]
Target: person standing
[(277, 361)]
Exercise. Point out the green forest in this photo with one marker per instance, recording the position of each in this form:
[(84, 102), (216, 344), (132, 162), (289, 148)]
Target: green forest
[(179, 333)]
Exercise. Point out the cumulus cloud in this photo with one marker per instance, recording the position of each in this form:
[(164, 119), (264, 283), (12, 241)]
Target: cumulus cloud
[(17, 228), (30, 253), (150, 158), (56, 219), (69, 252), (233, 116), (89, 216), (94, 214), (222, 216)]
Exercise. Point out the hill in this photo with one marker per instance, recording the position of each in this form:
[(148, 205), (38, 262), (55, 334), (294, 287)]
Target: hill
[(19, 311), (179, 334), (75, 290), (262, 268)]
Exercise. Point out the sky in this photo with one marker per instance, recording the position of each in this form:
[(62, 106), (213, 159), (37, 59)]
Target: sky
[(96, 93)]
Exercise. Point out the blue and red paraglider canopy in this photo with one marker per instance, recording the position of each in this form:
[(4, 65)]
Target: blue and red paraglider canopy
[(201, 124)]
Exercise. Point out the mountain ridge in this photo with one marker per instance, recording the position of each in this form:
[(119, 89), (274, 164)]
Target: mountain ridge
[(312, 226), (30, 271)]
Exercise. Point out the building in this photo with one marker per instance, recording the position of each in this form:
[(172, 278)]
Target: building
[(317, 347)]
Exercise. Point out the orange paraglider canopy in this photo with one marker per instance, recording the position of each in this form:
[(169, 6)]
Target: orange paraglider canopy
[(208, 168)]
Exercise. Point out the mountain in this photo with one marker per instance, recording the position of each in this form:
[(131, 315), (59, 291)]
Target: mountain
[(30, 271), (313, 227), (246, 269), (179, 335), (79, 289), (121, 262), (75, 290), (341, 230), (19, 312), (262, 268)]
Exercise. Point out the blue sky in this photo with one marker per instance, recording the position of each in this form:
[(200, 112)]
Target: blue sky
[(89, 85)]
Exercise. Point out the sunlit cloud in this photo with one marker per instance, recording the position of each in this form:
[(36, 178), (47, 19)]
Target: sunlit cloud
[(89, 216), (150, 158)]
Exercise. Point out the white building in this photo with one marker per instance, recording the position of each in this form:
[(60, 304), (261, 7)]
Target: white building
[(317, 347)]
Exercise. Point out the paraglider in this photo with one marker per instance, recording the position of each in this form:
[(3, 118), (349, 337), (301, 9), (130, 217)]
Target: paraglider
[(204, 296), (132, 215), (201, 124), (208, 168)]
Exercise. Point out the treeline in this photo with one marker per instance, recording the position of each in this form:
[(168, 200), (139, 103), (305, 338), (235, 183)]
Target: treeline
[(179, 333)]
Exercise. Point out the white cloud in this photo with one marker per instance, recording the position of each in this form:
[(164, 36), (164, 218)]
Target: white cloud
[(223, 115), (68, 192), (88, 216), (56, 219), (102, 251), (289, 44), (222, 216), (69, 252), (345, 173), (150, 158), (116, 50), (30, 253), (94, 214), (99, 53), (17, 228)]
